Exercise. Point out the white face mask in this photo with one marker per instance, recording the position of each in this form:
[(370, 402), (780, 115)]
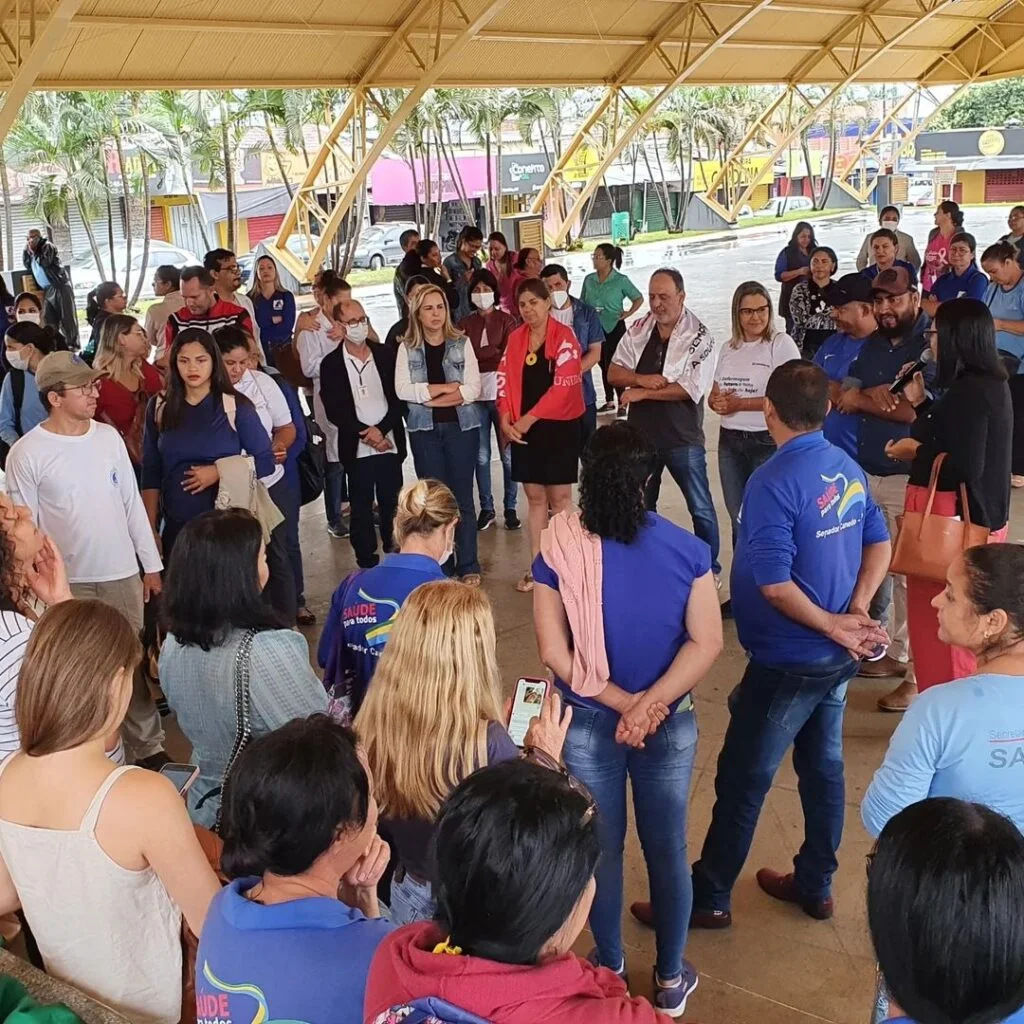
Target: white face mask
[(31, 315), (357, 333), (559, 298), (483, 300), (17, 360), (449, 549), (892, 225)]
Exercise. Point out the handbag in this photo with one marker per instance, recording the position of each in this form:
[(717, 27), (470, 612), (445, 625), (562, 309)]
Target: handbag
[(243, 720), (927, 544), (311, 464)]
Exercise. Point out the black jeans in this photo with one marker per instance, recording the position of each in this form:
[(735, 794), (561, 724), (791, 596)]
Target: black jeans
[(279, 592), (611, 343), (1012, 364), (377, 476)]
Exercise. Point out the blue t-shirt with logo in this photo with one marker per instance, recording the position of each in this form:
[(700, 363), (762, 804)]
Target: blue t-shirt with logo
[(1008, 304), (645, 587), (971, 284), (305, 960), (365, 605), (835, 357), (806, 516)]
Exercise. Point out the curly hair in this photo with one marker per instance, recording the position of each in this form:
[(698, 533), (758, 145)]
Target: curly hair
[(614, 469)]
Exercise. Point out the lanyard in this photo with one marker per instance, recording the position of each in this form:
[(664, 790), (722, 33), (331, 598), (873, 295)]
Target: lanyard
[(360, 372)]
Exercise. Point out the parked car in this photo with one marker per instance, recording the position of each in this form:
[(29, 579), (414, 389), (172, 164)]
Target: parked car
[(781, 205), (85, 275), (921, 192), (379, 246)]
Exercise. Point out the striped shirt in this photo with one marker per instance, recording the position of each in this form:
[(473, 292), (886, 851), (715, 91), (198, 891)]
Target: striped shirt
[(220, 314), (15, 630)]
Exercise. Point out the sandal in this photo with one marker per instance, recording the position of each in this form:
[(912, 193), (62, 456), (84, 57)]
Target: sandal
[(304, 617), (472, 579), (525, 585)]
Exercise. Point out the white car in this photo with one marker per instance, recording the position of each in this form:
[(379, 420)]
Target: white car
[(85, 275), (784, 204)]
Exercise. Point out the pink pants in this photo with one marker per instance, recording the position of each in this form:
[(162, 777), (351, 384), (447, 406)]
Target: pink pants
[(934, 661)]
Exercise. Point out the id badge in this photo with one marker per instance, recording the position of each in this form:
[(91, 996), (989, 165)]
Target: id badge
[(362, 391)]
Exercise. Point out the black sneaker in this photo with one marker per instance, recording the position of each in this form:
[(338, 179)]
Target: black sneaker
[(621, 413), (338, 530), (485, 519), (512, 520)]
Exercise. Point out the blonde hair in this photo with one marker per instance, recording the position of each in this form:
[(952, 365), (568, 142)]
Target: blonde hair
[(744, 291), (414, 336), (254, 290), (424, 721), (110, 355), (423, 507), (66, 694)]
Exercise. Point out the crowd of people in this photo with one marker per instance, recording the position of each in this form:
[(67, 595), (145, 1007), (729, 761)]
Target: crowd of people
[(378, 845)]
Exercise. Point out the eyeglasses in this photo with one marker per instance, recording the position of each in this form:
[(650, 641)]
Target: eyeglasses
[(959, 250), (355, 323), (86, 389), (753, 310), (545, 760), (931, 333)]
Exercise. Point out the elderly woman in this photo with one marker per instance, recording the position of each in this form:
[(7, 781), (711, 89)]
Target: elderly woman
[(437, 375), (540, 404), (605, 577)]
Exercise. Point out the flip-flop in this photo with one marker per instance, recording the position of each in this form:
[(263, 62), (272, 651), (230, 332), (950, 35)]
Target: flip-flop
[(525, 585)]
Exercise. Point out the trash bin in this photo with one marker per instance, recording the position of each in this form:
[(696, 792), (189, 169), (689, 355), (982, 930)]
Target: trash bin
[(620, 227)]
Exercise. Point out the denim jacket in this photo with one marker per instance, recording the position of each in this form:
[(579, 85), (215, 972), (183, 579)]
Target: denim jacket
[(454, 362)]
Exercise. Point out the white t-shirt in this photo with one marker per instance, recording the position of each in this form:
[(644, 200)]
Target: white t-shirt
[(745, 369), (243, 300), (314, 347), (271, 407), (369, 398), (82, 493)]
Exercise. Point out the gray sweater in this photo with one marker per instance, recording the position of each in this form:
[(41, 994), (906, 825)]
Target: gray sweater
[(199, 686)]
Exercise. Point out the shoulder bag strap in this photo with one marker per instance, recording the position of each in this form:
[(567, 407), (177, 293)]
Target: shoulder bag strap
[(230, 409), (933, 482), (243, 719), (18, 394)]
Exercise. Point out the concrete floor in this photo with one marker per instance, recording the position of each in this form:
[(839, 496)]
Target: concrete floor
[(775, 965)]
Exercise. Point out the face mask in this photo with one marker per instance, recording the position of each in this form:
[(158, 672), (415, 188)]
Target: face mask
[(483, 300), (17, 360), (892, 225), (559, 298), (32, 316), (448, 551), (357, 333)]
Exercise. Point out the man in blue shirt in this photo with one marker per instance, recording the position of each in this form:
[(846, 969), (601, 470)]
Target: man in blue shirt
[(586, 325), (852, 308), (812, 550), (881, 418)]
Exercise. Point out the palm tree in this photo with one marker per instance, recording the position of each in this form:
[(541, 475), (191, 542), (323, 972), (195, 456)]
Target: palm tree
[(269, 105), (487, 111)]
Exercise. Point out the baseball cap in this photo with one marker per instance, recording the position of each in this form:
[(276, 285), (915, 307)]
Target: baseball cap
[(849, 288), (894, 281), (64, 369)]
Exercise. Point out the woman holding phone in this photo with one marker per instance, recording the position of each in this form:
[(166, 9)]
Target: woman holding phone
[(438, 677)]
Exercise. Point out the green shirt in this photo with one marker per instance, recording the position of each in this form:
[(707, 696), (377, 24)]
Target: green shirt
[(608, 298)]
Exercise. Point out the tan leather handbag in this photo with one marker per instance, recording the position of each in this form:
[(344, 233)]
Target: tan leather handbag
[(927, 544)]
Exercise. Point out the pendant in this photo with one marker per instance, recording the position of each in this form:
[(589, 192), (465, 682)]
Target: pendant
[(531, 358)]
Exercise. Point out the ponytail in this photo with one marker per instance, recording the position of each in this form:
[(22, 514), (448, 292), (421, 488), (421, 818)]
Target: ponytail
[(96, 299), (612, 253)]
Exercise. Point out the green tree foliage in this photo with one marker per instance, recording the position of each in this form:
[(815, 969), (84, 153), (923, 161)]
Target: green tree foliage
[(993, 105)]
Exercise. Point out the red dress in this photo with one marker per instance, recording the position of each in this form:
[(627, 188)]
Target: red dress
[(118, 406)]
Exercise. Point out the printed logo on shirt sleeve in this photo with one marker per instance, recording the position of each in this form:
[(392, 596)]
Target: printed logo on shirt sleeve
[(843, 496)]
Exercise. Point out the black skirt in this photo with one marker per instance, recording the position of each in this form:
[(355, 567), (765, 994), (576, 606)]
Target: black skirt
[(551, 454)]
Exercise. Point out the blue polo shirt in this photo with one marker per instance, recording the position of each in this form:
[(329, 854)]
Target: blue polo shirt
[(586, 325), (835, 357), (880, 362), (305, 960), (806, 516), (365, 604), (971, 284), (1008, 304), (872, 271), (645, 587)]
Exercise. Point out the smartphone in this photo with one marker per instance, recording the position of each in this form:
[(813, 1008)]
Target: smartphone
[(526, 704), (182, 775)]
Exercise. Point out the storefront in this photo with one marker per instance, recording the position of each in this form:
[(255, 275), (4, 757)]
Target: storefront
[(973, 165)]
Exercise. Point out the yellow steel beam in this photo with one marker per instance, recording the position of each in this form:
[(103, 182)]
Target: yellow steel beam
[(33, 45), (688, 64), (352, 120), (928, 11)]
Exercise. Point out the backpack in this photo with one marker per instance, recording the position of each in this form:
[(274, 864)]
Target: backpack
[(429, 1010), (18, 395)]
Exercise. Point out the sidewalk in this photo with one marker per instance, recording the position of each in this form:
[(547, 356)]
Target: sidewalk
[(646, 253)]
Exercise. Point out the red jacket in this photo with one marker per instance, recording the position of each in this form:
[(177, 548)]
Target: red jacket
[(564, 399), (563, 991)]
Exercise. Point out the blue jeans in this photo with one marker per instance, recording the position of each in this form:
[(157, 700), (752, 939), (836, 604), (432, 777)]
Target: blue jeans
[(448, 453), (411, 901), (689, 468), (335, 491), (660, 777), (489, 418), (740, 452), (772, 708)]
